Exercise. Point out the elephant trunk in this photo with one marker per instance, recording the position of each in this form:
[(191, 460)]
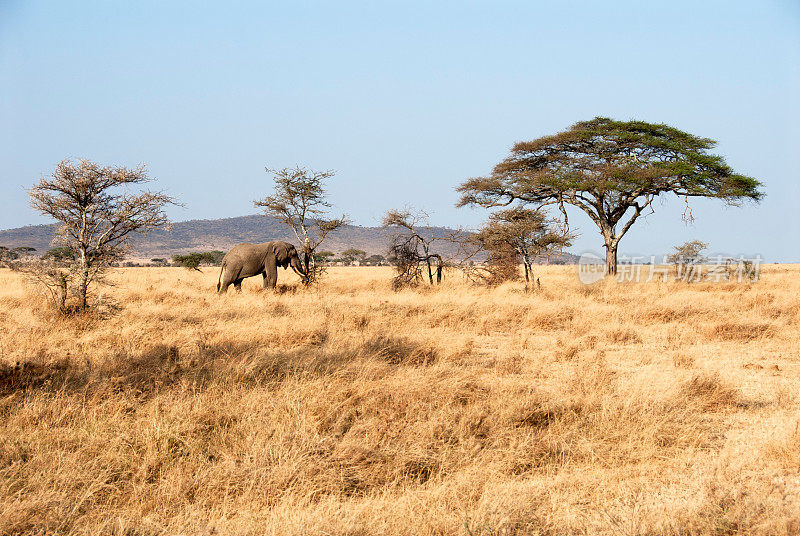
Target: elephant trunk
[(298, 267)]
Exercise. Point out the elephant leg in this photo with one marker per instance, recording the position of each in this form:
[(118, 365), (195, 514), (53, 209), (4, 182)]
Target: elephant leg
[(271, 275), (238, 285), (226, 282)]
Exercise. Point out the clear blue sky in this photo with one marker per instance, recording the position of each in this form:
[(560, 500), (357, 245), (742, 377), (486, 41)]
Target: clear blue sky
[(403, 99)]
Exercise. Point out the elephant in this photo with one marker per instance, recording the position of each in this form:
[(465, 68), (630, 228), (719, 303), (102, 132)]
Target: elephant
[(247, 260)]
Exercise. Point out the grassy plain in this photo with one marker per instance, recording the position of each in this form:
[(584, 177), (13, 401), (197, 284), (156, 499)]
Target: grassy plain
[(639, 409)]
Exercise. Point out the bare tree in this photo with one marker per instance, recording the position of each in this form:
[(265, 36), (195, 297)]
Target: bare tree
[(300, 203), (686, 259), (527, 232), (97, 220), (410, 251), (690, 252)]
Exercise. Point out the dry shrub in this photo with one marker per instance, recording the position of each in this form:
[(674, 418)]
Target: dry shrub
[(541, 414), (592, 376), (157, 366), (681, 339), (313, 337), (556, 320), (566, 351), (623, 336), (400, 351), (673, 314), (287, 289), (786, 396), (733, 331), (594, 291), (728, 506), (395, 435), (786, 450), (710, 392), (684, 361), (502, 265), (265, 366)]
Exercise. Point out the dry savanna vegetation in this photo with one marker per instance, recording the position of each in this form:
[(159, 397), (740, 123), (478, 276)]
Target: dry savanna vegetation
[(641, 408)]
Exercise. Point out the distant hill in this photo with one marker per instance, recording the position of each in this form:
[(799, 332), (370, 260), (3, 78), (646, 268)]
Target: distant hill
[(222, 234)]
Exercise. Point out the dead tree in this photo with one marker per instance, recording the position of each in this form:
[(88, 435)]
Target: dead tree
[(96, 220), (687, 257), (410, 251)]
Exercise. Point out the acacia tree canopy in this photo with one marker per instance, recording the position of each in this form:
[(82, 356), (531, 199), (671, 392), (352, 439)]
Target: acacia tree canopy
[(688, 253), (527, 232), (193, 260), (354, 254), (613, 171)]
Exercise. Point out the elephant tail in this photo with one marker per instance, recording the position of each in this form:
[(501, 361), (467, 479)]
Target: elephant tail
[(219, 281)]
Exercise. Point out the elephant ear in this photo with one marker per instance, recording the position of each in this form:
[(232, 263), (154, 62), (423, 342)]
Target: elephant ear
[(282, 254)]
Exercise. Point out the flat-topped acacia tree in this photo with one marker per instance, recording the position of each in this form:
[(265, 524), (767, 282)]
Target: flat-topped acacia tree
[(613, 171)]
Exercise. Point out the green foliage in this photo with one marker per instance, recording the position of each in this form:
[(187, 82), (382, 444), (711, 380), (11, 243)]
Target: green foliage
[(214, 257), (375, 260), (61, 254), (194, 260), (353, 254), (323, 256)]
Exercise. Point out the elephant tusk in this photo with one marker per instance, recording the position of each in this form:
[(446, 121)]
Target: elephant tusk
[(301, 274)]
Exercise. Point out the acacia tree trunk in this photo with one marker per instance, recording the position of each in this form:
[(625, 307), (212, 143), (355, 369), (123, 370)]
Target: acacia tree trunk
[(308, 260), (62, 293), (611, 257), (83, 286), (528, 273), (611, 243), (430, 272)]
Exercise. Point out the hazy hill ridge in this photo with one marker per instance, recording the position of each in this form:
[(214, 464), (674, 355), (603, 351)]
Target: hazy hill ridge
[(221, 234)]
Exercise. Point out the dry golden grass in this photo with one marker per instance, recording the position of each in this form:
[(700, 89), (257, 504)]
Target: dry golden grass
[(657, 408)]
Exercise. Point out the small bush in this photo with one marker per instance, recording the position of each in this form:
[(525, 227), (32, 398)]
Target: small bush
[(398, 351)]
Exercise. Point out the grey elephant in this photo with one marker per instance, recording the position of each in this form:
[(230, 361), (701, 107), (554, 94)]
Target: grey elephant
[(247, 260)]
